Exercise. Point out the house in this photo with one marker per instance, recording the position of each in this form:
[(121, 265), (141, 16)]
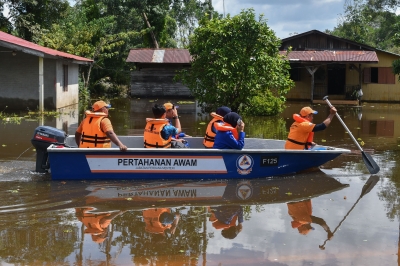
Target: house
[(35, 77), (155, 70), (322, 64)]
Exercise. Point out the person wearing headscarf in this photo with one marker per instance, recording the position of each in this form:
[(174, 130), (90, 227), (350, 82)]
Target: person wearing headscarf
[(230, 134), (217, 117)]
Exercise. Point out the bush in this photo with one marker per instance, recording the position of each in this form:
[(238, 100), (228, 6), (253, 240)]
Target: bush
[(264, 105)]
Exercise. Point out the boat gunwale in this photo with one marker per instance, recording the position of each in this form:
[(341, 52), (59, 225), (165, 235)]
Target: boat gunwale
[(54, 148)]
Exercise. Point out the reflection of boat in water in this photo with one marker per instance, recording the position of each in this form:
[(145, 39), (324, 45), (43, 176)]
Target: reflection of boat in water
[(160, 193)]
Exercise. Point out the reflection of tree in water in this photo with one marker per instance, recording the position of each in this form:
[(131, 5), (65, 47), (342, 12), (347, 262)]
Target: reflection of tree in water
[(390, 190), (23, 243), (187, 243), (272, 128)]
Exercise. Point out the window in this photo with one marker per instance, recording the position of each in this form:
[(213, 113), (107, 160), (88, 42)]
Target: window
[(65, 78), (379, 75), (295, 72)]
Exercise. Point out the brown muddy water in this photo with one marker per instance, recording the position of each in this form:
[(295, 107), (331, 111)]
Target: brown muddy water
[(337, 215)]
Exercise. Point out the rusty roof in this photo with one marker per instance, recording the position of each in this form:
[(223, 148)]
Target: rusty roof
[(333, 56), (147, 55), (18, 44)]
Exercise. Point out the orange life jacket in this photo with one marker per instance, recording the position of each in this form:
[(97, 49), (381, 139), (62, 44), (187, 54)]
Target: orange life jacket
[(92, 220), (227, 127), (209, 138), (220, 225), (152, 134), (308, 143), (92, 135), (151, 218)]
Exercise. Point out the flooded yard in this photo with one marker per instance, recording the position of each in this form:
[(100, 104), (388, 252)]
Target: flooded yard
[(336, 215)]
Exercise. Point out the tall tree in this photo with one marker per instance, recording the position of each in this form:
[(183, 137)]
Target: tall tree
[(84, 32), (234, 60), (28, 17), (187, 14), (370, 22)]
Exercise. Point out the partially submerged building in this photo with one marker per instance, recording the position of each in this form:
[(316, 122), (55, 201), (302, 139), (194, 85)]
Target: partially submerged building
[(35, 77)]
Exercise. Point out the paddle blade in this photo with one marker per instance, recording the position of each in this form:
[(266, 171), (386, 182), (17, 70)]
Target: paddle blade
[(373, 168), (371, 182)]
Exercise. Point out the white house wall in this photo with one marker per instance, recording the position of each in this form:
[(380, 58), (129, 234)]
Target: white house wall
[(19, 82), (70, 97)]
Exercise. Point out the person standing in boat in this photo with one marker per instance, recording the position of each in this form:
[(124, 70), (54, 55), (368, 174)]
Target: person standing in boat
[(301, 213), (160, 220), (302, 130), (96, 131), (230, 134), (217, 117), (158, 131)]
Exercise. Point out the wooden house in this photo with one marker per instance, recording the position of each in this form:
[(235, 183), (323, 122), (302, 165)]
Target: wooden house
[(322, 64), (155, 70)]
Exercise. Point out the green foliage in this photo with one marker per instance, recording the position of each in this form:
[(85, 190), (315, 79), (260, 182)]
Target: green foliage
[(373, 23), (234, 60), (396, 67), (28, 17), (264, 104), (187, 15), (272, 127), (87, 33)]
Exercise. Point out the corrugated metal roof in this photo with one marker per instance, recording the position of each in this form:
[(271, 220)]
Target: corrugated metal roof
[(146, 55), (333, 56), (23, 45)]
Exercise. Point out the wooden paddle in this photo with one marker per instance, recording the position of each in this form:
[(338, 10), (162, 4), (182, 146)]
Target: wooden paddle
[(373, 168), (371, 182)]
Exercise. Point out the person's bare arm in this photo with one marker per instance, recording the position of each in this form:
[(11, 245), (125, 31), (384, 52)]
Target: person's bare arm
[(328, 120), (113, 137), (177, 122)]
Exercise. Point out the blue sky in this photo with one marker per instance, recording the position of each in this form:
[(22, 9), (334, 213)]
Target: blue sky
[(289, 16)]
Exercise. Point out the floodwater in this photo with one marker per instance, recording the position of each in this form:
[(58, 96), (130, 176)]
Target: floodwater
[(337, 215)]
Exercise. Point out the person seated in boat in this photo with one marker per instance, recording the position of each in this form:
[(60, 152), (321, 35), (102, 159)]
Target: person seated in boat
[(302, 130), (230, 134), (158, 132), (169, 107), (96, 131), (229, 218), (217, 117), (301, 213), (97, 224), (160, 220)]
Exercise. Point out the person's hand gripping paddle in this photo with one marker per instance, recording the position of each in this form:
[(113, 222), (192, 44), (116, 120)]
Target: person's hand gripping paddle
[(373, 168)]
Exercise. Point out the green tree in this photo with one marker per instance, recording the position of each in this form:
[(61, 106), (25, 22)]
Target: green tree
[(235, 59), (187, 14), (83, 32), (28, 17), (373, 23)]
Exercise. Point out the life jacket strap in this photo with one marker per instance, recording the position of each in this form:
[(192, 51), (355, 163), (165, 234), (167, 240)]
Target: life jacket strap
[(157, 145), (298, 142)]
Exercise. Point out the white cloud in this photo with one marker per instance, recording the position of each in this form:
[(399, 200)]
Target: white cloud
[(289, 16)]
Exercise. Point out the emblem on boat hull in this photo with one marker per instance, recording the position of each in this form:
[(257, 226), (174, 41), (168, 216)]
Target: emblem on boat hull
[(244, 164), (244, 190)]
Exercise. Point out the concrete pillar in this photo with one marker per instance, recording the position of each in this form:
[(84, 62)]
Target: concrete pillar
[(41, 86)]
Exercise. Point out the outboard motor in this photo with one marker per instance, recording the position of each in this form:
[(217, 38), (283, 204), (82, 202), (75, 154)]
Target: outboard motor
[(43, 137)]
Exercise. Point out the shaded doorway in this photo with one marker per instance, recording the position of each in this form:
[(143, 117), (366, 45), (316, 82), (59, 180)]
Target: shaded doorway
[(336, 79)]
